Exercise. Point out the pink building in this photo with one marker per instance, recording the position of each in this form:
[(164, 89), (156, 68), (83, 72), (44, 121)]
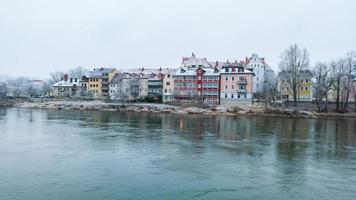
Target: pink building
[(236, 85), (197, 80)]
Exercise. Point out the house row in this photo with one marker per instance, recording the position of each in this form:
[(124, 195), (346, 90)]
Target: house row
[(196, 80)]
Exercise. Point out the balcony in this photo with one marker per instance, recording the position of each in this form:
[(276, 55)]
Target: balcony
[(242, 91), (242, 82)]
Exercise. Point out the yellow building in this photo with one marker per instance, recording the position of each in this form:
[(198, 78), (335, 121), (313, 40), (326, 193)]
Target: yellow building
[(98, 81), (305, 85)]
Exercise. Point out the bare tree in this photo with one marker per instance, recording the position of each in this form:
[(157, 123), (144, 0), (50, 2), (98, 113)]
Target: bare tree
[(342, 74), (349, 68), (271, 88), (293, 62), (322, 85), (354, 91), (56, 77), (77, 72), (120, 95), (337, 75)]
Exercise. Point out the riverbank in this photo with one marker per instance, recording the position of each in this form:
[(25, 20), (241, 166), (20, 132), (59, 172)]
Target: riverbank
[(165, 108)]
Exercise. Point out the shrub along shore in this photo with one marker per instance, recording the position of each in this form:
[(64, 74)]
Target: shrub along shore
[(162, 108)]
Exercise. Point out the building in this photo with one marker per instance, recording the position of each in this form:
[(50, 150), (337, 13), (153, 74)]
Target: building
[(261, 70), (98, 81), (197, 80), (67, 87), (120, 87), (236, 85), (305, 90), (3, 89), (168, 86), (142, 83)]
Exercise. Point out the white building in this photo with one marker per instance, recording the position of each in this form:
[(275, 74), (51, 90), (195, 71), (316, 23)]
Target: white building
[(67, 87), (261, 70), (168, 86)]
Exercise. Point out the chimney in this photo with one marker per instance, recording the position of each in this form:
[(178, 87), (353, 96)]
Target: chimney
[(65, 77), (217, 64)]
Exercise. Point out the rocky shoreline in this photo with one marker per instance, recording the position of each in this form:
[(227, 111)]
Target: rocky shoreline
[(165, 108)]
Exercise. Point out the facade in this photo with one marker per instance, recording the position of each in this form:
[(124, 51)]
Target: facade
[(120, 87), (305, 91), (261, 70), (155, 85), (67, 87), (168, 86), (140, 83), (236, 85), (98, 81), (197, 80)]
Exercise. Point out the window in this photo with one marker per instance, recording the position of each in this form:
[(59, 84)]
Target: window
[(238, 95), (233, 78), (168, 83), (225, 95), (257, 78), (168, 75), (245, 96), (301, 88), (165, 91), (232, 96), (226, 87), (232, 87), (227, 79), (306, 88), (306, 80)]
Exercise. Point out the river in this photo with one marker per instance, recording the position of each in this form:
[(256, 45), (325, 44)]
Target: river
[(62, 155)]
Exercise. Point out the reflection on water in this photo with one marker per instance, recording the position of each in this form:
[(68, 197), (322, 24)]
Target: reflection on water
[(107, 155)]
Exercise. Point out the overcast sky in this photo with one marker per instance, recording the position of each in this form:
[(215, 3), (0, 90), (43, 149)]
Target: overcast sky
[(40, 36)]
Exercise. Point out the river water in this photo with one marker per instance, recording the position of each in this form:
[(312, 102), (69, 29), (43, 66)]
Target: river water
[(62, 155)]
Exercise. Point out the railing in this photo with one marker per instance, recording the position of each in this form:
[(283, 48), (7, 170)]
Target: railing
[(242, 81)]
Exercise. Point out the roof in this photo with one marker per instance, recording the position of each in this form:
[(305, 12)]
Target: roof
[(258, 59), (195, 62), (236, 65), (100, 72), (150, 71), (66, 83), (118, 78), (193, 71)]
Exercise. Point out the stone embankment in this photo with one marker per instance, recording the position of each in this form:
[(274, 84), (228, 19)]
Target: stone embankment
[(164, 108)]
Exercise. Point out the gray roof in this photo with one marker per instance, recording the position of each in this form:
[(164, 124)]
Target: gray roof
[(99, 72)]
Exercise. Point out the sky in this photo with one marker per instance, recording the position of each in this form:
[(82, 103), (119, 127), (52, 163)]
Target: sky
[(41, 36)]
